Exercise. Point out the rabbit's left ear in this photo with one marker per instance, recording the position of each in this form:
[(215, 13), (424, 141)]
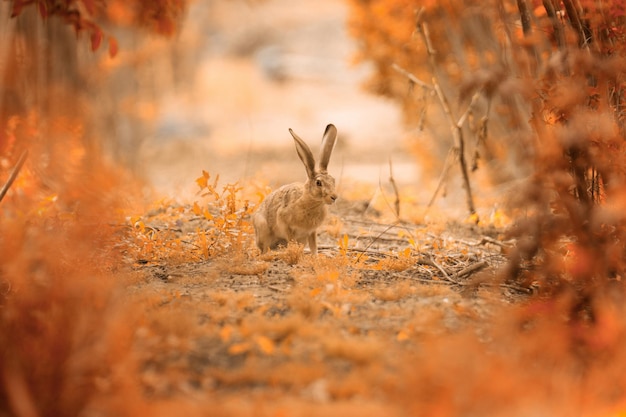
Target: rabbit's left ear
[(305, 154), (328, 143)]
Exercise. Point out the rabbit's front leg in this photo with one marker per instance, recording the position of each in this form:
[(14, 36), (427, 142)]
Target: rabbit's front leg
[(313, 243)]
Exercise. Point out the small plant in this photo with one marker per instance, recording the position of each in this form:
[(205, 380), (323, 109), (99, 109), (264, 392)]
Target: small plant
[(152, 242), (222, 226), (400, 261), (227, 214)]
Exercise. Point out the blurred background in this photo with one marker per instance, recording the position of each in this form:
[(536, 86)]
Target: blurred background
[(103, 92), (218, 94), (168, 89), (253, 70)]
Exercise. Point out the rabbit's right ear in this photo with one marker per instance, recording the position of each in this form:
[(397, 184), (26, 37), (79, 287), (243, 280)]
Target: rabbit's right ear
[(305, 154), (328, 143)]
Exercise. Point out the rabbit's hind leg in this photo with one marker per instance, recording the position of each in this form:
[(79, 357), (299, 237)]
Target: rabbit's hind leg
[(262, 232)]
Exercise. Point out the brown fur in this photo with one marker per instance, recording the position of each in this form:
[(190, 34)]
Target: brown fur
[(295, 211)]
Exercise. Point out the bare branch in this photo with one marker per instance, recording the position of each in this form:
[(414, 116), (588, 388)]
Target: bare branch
[(457, 131), (13, 175), (395, 190), (442, 177), (410, 76), (469, 109)]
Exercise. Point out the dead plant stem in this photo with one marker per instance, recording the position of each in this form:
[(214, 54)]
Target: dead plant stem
[(396, 203), (442, 177), (443, 271), (459, 144), (455, 124), (472, 268), (391, 226), (13, 174), (411, 77)]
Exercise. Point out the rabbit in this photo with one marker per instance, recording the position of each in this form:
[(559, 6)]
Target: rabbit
[(295, 211)]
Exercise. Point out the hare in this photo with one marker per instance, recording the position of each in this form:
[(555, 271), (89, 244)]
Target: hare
[(295, 211)]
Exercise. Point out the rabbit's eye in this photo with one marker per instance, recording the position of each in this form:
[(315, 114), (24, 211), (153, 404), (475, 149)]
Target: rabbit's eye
[(318, 183)]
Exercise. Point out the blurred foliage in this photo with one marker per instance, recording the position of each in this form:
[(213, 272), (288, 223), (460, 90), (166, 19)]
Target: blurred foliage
[(550, 84), (84, 333), (162, 16), (57, 56), (217, 226)]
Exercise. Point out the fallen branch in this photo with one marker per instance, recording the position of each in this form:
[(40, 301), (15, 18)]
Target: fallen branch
[(277, 289), (445, 274), (487, 239), (472, 268), (469, 269)]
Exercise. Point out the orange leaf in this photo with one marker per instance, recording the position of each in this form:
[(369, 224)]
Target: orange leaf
[(96, 39), (401, 336), (17, 8), (580, 262), (239, 348), (203, 180), (90, 6), (265, 344), (472, 219), (113, 47), (43, 10), (226, 333), (166, 27)]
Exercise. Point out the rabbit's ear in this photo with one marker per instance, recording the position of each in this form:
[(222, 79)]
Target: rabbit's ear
[(328, 143), (305, 154)]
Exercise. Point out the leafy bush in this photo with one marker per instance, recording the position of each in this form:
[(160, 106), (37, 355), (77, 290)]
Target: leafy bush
[(542, 86)]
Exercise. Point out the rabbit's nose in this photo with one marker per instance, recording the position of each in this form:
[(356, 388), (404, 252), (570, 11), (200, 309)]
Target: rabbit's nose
[(333, 197)]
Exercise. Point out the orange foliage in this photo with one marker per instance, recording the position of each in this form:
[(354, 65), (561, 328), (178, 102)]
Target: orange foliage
[(159, 16), (533, 360), (73, 343), (551, 102), (67, 330), (62, 343), (552, 92)]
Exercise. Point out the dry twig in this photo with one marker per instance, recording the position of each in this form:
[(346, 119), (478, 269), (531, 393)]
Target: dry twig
[(13, 175), (411, 77), (396, 203), (458, 148), (472, 268)]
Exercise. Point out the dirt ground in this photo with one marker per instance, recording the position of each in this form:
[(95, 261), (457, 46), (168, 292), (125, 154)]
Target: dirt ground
[(309, 335), (288, 333), (403, 312)]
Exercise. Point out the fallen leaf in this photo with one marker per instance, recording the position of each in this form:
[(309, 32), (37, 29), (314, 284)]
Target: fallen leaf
[(239, 348), (265, 344)]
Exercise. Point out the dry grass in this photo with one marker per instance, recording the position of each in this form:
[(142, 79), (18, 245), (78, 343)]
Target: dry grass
[(296, 336), (395, 292), (175, 313)]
